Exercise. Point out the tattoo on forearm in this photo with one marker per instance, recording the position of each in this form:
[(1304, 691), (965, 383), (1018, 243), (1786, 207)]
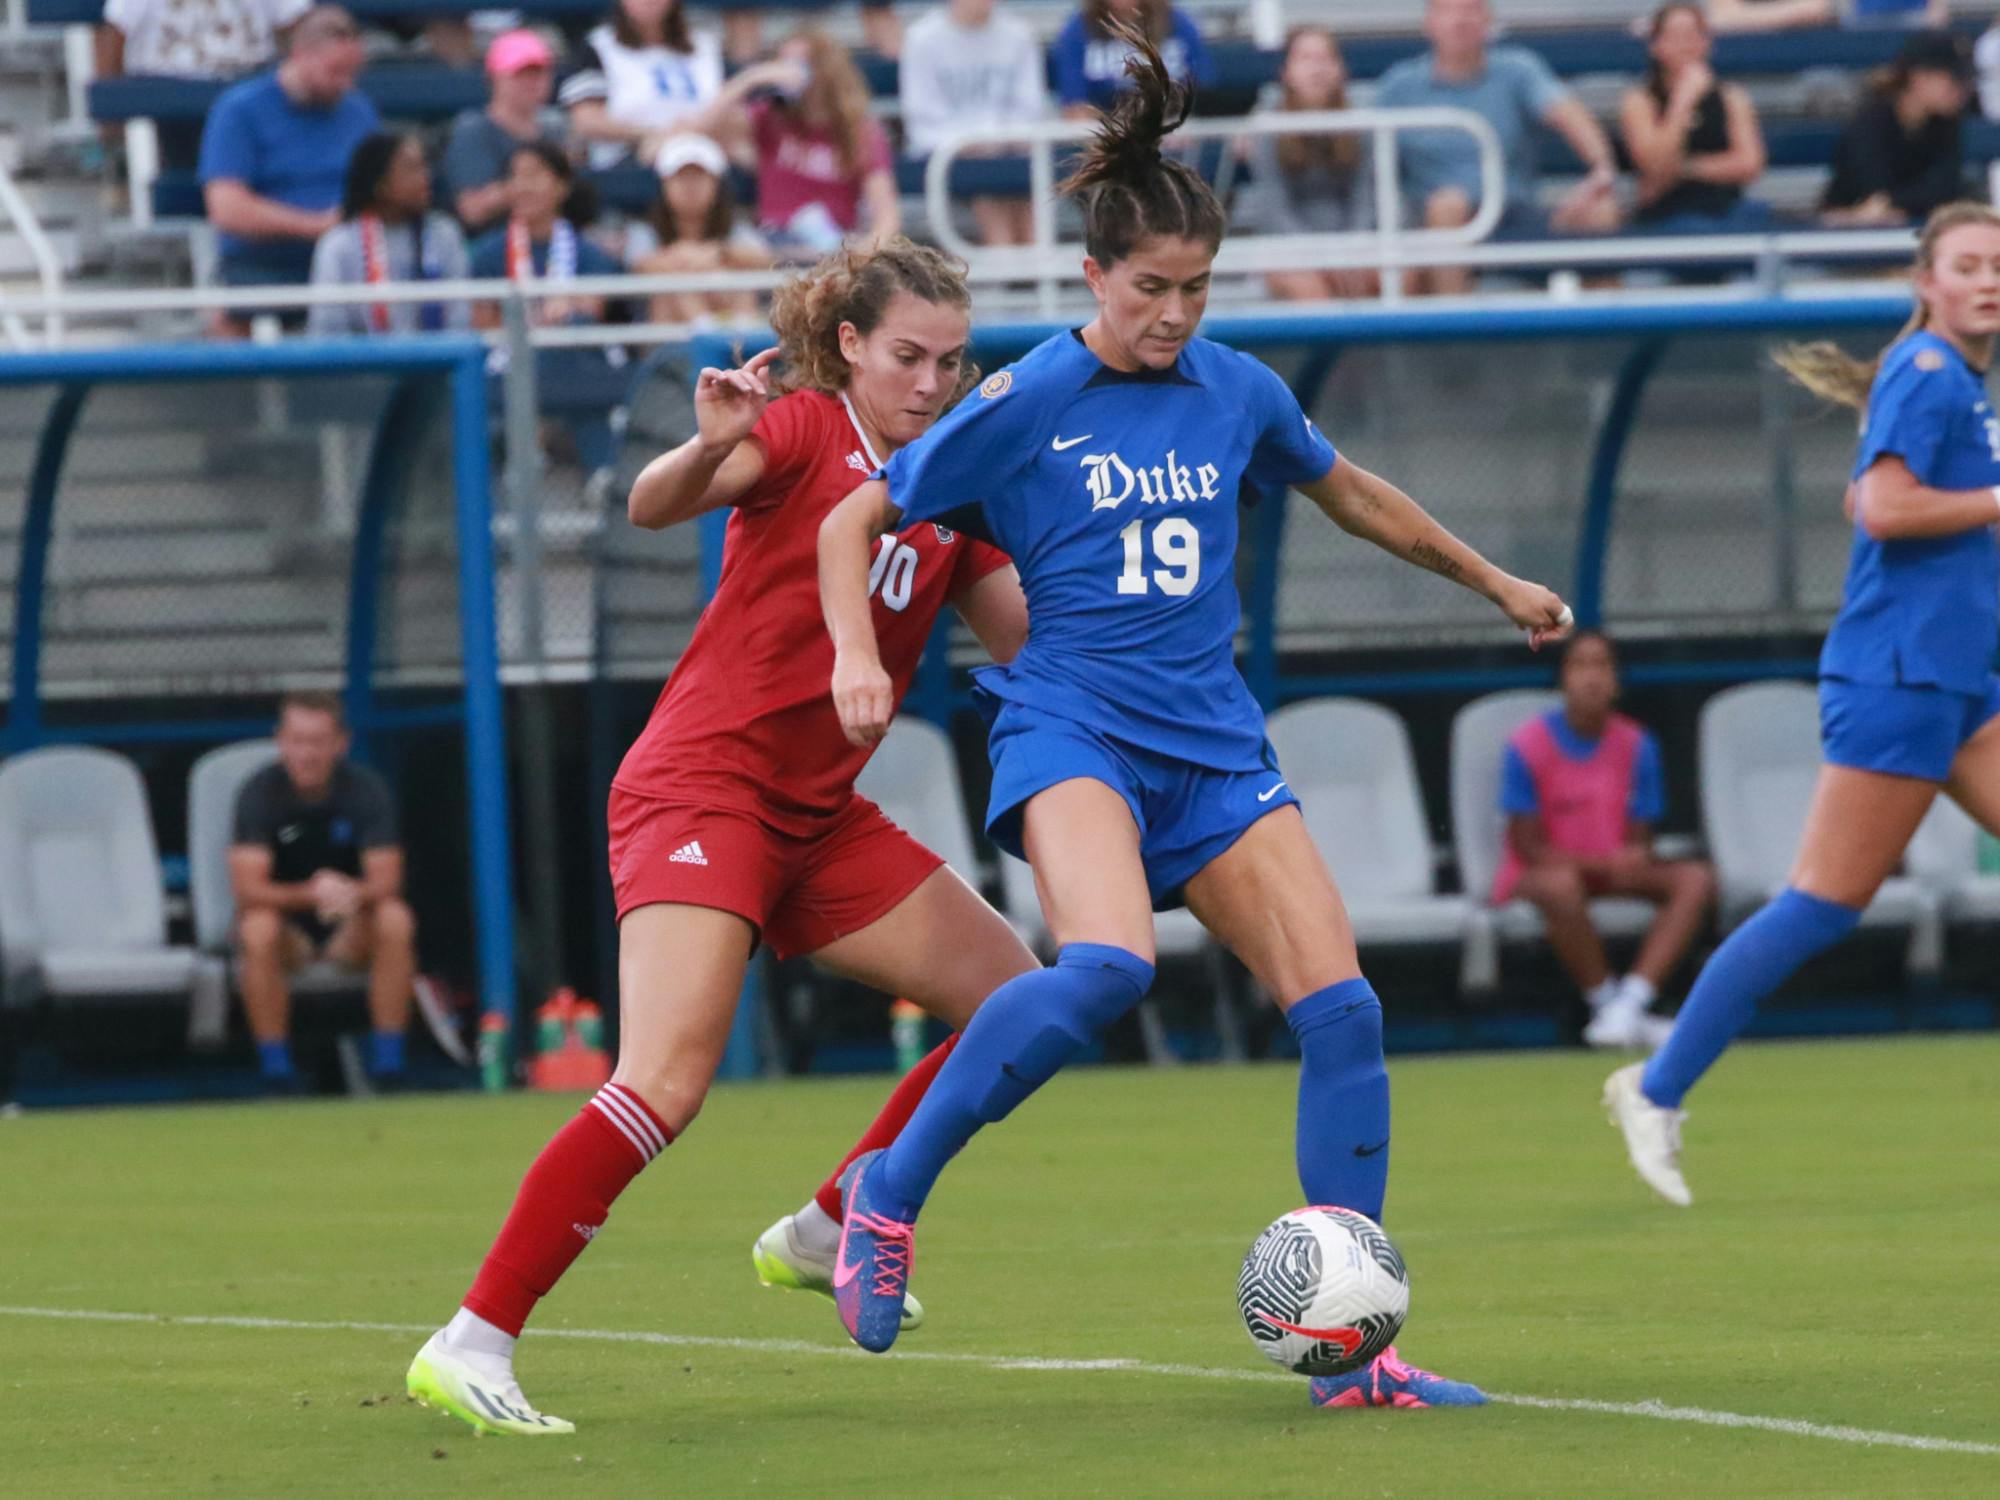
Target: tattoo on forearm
[(1424, 555)]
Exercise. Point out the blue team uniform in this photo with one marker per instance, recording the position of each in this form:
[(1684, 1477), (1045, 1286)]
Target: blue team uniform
[(1906, 676), (1116, 495)]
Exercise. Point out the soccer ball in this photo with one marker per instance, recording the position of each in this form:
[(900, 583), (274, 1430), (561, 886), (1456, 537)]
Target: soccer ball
[(1323, 1291)]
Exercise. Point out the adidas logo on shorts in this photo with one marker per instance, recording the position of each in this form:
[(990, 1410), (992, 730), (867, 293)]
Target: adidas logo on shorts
[(688, 854)]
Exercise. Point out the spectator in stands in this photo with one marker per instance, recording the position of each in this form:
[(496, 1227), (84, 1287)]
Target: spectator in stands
[(824, 169), (1089, 62), (543, 237), (192, 38), (1771, 15), (317, 868), (274, 154), (1581, 788), (1310, 184), (639, 77), (474, 169), (968, 66), (1929, 15), (1900, 156), (1986, 62), (1695, 142), (275, 157), (694, 228), (1514, 90), (387, 232)]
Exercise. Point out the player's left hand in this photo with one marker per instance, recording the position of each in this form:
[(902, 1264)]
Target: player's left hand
[(1537, 610), (864, 698)]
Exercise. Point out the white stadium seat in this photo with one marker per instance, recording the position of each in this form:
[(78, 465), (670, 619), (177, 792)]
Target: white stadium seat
[(82, 912), (913, 777), (1944, 855), (1760, 757), (1352, 768), (1479, 736)]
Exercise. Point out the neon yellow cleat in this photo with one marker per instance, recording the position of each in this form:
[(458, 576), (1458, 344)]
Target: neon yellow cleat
[(489, 1399), (782, 1262)]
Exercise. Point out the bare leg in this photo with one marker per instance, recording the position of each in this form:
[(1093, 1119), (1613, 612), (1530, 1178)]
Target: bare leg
[(1857, 830), (1975, 777), (1448, 208), (260, 945), (382, 940), (1685, 892), (1084, 849), (1270, 900), (680, 969), (1558, 892)]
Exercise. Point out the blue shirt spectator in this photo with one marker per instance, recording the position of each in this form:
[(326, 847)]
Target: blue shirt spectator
[(1089, 63), (275, 150), (1512, 92)]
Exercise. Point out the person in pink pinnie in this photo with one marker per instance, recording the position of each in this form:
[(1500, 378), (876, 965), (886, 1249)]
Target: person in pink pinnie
[(1581, 788)]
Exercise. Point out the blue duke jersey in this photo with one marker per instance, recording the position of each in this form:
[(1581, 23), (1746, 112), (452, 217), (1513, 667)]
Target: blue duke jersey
[(1116, 495), (1924, 611)]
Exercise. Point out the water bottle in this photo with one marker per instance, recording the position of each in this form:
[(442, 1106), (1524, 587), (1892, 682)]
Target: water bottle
[(906, 1033), (493, 1069), (590, 1027), (551, 1026)]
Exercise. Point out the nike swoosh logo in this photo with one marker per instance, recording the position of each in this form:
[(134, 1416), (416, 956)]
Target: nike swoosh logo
[(842, 1271), (1349, 1339), (1062, 444), (1267, 796), (1371, 1150)]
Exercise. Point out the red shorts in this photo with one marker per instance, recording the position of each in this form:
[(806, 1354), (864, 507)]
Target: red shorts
[(799, 893)]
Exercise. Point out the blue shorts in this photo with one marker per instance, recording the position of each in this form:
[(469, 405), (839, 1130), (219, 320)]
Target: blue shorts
[(1900, 730), (1187, 814)]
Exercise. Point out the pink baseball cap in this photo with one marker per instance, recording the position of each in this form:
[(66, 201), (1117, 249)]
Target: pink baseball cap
[(514, 50)]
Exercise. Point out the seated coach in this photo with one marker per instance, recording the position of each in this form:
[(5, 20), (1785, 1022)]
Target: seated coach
[(317, 868), (1581, 788)]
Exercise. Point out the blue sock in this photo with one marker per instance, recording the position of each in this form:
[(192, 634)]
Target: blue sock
[(385, 1052), (1758, 957), (274, 1059), (1343, 1131), (1016, 1042)]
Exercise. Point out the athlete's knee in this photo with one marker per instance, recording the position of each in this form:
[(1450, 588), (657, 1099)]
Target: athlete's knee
[(395, 925), (1447, 208), (259, 931), (1555, 888), (1112, 980), (1059, 1017), (1694, 882), (674, 1088), (1340, 1026)]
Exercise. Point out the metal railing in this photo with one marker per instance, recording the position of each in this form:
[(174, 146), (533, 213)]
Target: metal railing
[(1048, 262), (15, 209)]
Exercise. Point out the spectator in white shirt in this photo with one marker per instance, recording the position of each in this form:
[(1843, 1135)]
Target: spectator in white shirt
[(641, 76), (967, 66), (192, 38)]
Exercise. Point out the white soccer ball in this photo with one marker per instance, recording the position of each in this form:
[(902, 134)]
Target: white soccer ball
[(1323, 1291)]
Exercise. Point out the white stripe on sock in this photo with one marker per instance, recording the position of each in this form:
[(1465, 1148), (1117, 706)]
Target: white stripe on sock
[(634, 1114), (597, 1103)]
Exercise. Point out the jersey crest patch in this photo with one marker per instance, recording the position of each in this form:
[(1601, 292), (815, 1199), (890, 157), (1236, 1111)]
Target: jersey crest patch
[(945, 535), (996, 385)]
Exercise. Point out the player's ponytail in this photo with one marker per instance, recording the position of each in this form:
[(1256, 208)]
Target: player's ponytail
[(1829, 371), (1129, 189), (855, 285)]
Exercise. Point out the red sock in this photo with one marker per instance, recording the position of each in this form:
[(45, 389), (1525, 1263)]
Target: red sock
[(564, 1201), (888, 1124)]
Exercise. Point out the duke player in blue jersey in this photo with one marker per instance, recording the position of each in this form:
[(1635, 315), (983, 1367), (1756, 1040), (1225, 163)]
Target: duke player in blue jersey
[(1130, 764), (1909, 703)]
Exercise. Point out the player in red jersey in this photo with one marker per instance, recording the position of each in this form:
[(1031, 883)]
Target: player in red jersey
[(734, 817)]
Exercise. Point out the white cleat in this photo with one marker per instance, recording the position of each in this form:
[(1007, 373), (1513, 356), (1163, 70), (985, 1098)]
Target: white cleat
[(783, 1262), (1626, 1024), (481, 1392), (1652, 1135)]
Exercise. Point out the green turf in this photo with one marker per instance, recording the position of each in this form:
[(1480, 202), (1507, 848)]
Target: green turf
[(1839, 1267)]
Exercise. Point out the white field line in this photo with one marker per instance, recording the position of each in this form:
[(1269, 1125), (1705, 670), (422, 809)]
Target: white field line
[(1653, 1410)]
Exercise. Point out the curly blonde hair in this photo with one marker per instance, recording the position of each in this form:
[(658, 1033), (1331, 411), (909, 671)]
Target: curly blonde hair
[(1829, 371), (855, 285)]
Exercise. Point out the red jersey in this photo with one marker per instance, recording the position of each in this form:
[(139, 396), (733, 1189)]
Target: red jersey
[(746, 722)]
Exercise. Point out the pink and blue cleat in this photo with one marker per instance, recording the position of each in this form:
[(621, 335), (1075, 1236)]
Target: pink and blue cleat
[(1389, 1382), (871, 1269)]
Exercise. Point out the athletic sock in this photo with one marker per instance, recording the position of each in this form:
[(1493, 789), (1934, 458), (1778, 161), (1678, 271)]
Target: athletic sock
[(564, 1201), (815, 1229), (1343, 1129), (1016, 1042), (1602, 994), (1637, 991), (473, 1338), (385, 1052), (896, 1111), (1757, 957), (274, 1059)]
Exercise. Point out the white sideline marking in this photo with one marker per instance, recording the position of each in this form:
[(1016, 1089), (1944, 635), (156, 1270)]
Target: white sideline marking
[(1655, 1410)]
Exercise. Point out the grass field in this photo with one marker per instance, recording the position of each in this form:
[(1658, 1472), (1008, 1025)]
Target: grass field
[(1838, 1270)]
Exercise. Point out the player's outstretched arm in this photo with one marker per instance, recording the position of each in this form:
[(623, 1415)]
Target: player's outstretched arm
[(1892, 504), (862, 693), (997, 612), (1368, 506), (716, 465)]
